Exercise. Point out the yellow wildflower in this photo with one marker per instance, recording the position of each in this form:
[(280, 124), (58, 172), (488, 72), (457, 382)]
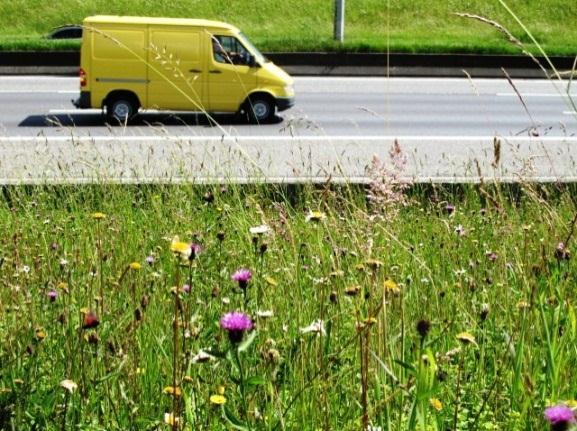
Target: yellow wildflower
[(171, 390), (219, 400), (181, 248), (315, 216), (98, 216), (40, 334), (135, 265), (436, 404), (170, 419), (391, 287)]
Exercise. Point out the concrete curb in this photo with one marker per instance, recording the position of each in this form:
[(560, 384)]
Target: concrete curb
[(333, 64)]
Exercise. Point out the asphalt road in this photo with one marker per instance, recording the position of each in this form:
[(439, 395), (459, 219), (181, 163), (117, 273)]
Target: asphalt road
[(446, 130), (36, 105)]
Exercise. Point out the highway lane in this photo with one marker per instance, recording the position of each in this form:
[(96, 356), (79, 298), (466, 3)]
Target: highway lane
[(37, 105)]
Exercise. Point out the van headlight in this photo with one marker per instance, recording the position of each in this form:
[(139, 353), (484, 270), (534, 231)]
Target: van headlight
[(289, 90)]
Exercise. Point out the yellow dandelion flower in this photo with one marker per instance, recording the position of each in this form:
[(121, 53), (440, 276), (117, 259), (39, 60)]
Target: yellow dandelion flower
[(436, 404), (523, 305), (62, 286), (188, 379), (171, 390), (98, 216), (40, 334), (181, 248), (391, 286), (315, 216), (466, 338), (219, 400), (135, 265), (85, 310), (170, 419)]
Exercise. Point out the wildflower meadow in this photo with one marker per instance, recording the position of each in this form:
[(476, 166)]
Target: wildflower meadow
[(333, 307)]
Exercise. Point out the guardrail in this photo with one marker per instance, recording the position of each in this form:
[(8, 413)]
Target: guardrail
[(345, 64)]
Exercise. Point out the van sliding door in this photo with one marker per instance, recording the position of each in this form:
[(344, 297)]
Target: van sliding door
[(176, 72)]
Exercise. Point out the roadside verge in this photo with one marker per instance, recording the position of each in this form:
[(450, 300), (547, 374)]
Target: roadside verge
[(333, 64)]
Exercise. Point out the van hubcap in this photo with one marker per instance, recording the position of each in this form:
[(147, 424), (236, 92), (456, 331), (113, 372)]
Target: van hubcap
[(121, 110), (260, 109)]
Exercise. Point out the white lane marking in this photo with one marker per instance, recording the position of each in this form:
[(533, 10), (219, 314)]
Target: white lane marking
[(536, 95), (384, 139), (39, 92), (74, 111), (569, 113)]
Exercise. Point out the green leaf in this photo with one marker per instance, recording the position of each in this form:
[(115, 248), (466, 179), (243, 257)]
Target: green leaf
[(246, 343), (255, 381), (232, 420)]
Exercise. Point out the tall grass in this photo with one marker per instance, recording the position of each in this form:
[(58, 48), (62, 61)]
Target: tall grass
[(335, 302)]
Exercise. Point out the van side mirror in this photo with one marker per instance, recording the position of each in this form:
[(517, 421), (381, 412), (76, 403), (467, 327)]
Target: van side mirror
[(251, 61)]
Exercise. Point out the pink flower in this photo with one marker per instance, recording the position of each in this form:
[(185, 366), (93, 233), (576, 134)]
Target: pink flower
[(236, 324), (242, 276), (559, 417)]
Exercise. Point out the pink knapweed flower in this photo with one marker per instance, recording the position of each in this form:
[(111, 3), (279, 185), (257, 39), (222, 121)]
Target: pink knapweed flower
[(242, 276), (236, 324), (560, 417)]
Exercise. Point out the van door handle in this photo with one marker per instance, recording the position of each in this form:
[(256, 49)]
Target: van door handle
[(215, 71), (195, 71)]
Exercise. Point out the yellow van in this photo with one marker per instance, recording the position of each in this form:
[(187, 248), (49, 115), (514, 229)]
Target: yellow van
[(132, 63)]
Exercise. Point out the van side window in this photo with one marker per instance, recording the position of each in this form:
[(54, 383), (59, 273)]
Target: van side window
[(228, 49)]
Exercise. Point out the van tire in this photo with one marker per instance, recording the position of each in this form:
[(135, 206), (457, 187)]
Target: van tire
[(121, 108), (260, 108)]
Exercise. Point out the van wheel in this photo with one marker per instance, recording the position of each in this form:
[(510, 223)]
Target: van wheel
[(121, 109), (260, 109)]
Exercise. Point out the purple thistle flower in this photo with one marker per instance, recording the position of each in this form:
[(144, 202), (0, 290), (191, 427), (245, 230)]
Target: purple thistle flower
[(559, 417), (492, 256), (195, 250), (236, 324), (186, 288), (449, 209), (149, 260), (52, 295), (242, 276)]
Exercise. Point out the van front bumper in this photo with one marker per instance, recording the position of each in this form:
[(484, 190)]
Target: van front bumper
[(283, 103), (83, 102)]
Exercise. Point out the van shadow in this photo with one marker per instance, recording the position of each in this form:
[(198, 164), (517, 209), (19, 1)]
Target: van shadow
[(142, 119)]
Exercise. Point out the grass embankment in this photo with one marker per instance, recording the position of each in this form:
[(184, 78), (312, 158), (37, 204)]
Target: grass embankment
[(450, 308), (306, 25)]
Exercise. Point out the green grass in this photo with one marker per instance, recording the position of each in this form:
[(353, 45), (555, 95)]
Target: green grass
[(490, 267), (306, 25)]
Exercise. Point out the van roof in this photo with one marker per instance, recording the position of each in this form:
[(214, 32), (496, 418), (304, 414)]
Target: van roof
[(110, 19)]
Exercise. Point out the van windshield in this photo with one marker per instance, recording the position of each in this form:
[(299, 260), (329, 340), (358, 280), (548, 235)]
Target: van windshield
[(253, 49)]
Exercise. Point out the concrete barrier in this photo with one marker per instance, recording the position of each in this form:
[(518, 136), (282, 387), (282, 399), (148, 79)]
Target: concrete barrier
[(54, 160)]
